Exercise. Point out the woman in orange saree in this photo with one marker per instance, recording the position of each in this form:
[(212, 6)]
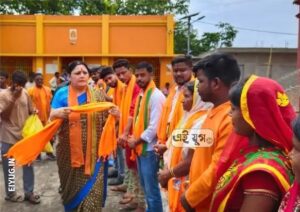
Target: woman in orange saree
[(255, 174)]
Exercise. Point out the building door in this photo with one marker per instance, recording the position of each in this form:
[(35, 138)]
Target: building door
[(66, 60)]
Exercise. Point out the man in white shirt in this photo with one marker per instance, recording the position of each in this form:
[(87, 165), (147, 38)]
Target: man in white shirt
[(148, 109)]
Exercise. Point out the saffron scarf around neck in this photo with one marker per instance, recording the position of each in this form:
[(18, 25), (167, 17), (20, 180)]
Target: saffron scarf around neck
[(176, 156), (26, 150), (141, 118), (41, 98), (164, 128), (125, 104)]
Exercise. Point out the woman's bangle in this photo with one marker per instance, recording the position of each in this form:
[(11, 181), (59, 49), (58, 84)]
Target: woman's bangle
[(172, 172)]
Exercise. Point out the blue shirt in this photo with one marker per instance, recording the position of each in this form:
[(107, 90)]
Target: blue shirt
[(60, 98)]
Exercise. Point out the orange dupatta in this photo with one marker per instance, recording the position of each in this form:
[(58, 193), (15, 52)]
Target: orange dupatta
[(26, 150), (141, 117), (41, 98), (164, 128), (125, 104), (75, 133), (176, 157)]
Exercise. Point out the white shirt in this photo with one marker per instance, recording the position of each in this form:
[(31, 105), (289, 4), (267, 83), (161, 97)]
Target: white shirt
[(156, 102)]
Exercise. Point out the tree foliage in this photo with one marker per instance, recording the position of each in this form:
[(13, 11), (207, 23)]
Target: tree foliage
[(224, 37), (94, 7)]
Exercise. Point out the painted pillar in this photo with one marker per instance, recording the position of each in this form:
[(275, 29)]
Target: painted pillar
[(39, 45), (105, 40)]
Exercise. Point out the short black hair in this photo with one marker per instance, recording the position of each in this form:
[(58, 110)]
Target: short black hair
[(190, 86), (296, 127), (4, 74), (145, 65), (221, 65), (37, 74), (107, 70), (95, 69), (72, 65), (19, 77), (183, 59), (120, 63), (235, 92)]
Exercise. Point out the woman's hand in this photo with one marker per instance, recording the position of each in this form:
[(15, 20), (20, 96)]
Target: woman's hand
[(159, 149), (60, 113), (163, 177), (115, 112)]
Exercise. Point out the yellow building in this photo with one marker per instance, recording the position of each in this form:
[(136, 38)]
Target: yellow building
[(46, 44)]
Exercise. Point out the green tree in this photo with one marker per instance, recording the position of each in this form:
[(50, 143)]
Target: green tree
[(26, 7), (224, 37)]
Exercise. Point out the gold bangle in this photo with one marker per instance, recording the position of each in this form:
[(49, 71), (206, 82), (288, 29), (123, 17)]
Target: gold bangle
[(172, 172)]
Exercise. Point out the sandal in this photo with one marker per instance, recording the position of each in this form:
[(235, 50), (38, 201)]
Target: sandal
[(14, 198), (33, 198)]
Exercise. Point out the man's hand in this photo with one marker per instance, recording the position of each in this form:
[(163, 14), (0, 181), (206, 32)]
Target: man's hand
[(160, 148), (16, 91), (163, 178), (131, 142), (122, 140)]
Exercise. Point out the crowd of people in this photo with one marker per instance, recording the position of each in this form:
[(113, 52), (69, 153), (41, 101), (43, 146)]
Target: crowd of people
[(209, 142)]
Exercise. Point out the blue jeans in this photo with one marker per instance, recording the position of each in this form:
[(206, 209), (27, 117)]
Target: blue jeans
[(120, 162), (8, 165), (148, 168)]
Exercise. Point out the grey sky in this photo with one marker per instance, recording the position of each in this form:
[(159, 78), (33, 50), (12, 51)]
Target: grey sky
[(269, 15)]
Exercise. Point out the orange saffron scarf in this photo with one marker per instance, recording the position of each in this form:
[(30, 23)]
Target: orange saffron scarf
[(41, 98), (26, 150), (141, 118), (117, 93), (176, 156), (125, 104)]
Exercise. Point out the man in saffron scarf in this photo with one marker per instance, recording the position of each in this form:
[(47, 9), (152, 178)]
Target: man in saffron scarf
[(180, 151), (146, 116), (260, 172), (116, 87), (215, 73), (172, 109), (291, 200), (41, 96), (82, 175), (128, 102)]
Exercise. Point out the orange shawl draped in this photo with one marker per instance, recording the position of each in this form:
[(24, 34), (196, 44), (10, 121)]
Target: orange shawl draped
[(117, 93), (41, 98), (75, 135), (176, 157), (164, 128), (125, 104), (141, 117), (27, 150)]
